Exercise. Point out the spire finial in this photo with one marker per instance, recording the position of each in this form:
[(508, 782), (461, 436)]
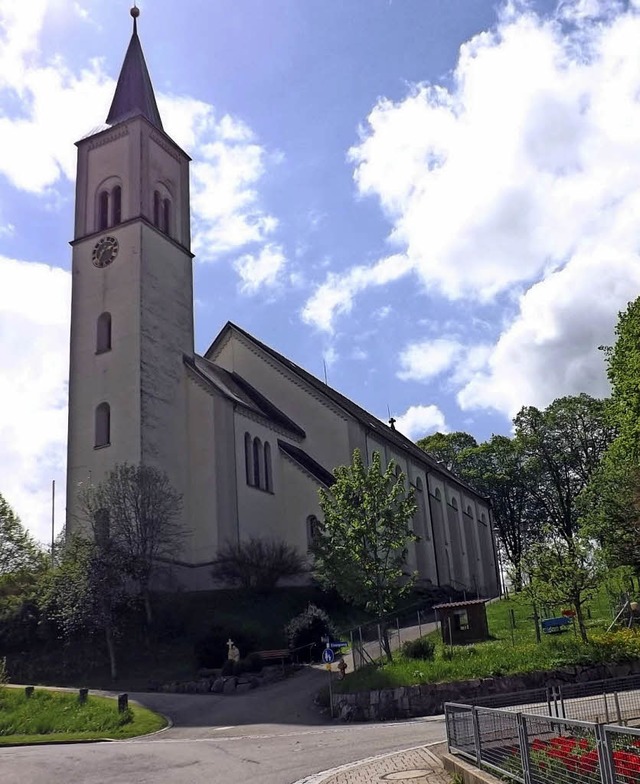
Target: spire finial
[(135, 13)]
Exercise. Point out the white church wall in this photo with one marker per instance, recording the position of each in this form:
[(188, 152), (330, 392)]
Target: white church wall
[(112, 376), (327, 432), (302, 501)]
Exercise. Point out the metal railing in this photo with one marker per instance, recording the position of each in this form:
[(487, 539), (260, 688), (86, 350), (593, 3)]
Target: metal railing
[(605, 701), (537, 749)]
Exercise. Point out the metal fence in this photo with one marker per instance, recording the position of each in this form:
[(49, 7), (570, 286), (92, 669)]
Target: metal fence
[(611, 700), (538, 749)]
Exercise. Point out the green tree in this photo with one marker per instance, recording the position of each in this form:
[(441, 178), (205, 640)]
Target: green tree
[(500, 470), (611, 503), (566, 572), (362, 546), (563, 444), (447, 448), (87, 592), (137, 511), (18, 549)]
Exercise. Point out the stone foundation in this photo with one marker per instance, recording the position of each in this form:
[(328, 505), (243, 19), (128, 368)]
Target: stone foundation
[(428, 699)]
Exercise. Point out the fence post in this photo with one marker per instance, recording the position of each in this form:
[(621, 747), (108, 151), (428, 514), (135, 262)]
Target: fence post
[(398, 626), (419, 625), (618, 711), (605, 755), (476, 736), (524, 749)]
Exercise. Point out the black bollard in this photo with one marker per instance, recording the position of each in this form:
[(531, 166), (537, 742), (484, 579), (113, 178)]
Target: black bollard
[(123, 702), (28, 691), (82, 696)]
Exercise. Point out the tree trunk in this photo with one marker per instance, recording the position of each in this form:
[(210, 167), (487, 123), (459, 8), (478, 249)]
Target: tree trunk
[(147, 605), (111, 648), (386, 644), (580, 617)]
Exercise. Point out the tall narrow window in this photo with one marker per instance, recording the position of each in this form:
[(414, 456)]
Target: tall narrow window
[(156, 208), (103, 336), (314, 530), (116, 197), (101, 527), (248, 458), (103, 425), (257, 449), (268, 478), (103, 210), (166, 216)]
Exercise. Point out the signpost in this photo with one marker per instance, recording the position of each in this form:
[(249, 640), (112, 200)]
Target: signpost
[(328, 656)]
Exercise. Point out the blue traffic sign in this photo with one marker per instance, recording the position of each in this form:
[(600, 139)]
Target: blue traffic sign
[(328, 656)]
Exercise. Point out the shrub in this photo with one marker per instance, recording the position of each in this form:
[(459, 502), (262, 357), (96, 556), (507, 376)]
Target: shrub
[(254, 662), (422, 648), (228, 668), (257, 564), (307, 628)]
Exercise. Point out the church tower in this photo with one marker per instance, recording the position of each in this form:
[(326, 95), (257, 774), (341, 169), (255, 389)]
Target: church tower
[(132, 292)]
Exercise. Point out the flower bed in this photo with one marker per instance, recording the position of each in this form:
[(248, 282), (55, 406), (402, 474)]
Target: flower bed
[(575, 759)]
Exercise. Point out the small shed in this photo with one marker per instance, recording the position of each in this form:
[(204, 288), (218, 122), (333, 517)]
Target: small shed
[(462, 623)]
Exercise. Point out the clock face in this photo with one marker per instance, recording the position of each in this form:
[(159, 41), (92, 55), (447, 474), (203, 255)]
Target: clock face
[(105, 251)]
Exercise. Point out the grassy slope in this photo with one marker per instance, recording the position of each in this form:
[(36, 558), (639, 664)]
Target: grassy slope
[(57, 716), (507, 653)]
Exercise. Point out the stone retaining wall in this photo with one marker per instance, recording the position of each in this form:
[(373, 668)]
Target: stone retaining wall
[(428, 699)]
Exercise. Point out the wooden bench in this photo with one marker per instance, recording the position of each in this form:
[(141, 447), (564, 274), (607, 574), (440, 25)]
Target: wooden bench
[(555, 625), (279, 654)]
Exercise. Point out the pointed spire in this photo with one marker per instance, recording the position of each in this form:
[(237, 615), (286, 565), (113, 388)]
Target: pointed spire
[(134, 92)]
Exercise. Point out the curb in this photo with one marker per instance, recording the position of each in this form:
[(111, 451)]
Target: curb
[(318, 778), (469, 773)]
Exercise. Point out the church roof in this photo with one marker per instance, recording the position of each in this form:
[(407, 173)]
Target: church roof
[(369, 421), (308, 463), (134, 94), (238, 390)]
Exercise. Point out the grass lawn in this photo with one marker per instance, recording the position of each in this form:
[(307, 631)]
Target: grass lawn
[(510, 652), (58, 716)]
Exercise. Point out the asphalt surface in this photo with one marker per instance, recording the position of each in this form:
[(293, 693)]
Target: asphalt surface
[(273, 735)]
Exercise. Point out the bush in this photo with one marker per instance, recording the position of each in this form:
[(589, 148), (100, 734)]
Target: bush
[(422, 648), (254, 662), (257, 564), (307, 628), (228, 668)]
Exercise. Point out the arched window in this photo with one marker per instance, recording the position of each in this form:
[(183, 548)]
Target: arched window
[(438, 494), (248, 458), (454, 502), (103, 333), (156, 208), (166, 216), (103, 210), (103, 425), (116, 197), (257, 449), (314, 530), (268, 478), (469, 511)]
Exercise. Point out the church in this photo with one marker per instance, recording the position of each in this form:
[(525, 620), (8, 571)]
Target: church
[(243, 433)]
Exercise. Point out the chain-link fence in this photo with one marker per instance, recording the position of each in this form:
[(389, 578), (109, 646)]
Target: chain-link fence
[(538, 749)]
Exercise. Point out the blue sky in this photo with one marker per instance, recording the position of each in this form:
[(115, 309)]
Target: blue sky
[(438, 199)]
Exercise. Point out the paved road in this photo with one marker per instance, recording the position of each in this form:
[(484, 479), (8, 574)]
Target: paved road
[(273, 735)]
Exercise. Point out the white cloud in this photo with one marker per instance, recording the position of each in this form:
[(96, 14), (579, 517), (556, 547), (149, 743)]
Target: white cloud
[(262, 270), (35, 302), (419, 421), (335, 296), (520, 179), (423, 361)]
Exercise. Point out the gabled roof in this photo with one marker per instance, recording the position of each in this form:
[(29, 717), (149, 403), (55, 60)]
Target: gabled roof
[(310, 465), (134, 94), (236, 389), (367, 420)]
